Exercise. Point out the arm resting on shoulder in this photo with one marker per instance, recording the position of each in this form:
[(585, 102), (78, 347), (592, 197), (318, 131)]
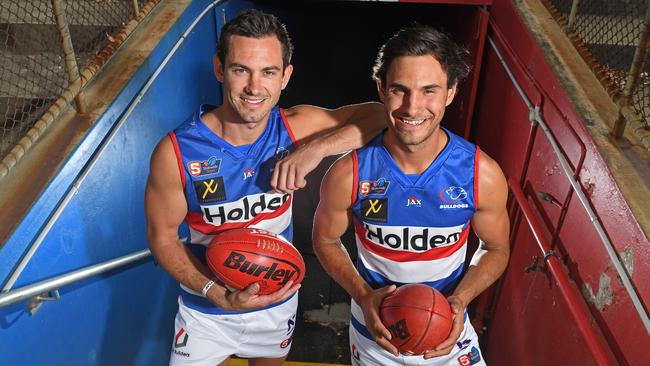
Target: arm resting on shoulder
[(323, 132)]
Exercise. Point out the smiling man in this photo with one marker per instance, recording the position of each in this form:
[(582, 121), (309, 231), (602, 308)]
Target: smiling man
[(229, 167), (411, 194)]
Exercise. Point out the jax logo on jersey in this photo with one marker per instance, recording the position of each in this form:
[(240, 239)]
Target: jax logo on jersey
[(453, 197), (244, 209), (205, 167), (379, 186), (248, 173), (413, 201), (412, 238)]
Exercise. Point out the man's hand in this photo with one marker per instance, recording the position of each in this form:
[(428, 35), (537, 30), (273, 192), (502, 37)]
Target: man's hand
[(458, 311), (248, 299), (370, 305), (289, 173)]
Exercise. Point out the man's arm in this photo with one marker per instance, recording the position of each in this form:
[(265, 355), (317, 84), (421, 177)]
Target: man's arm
[(491, 225), (165, 208), (323, 132), (330, 222)]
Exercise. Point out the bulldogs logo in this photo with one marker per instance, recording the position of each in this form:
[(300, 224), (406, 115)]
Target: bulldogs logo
[(453, 197)]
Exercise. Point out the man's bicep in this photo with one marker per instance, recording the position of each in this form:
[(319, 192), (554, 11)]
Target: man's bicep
[(492, 227), (490, 222), (333, 213), (306, 121), (165, 205)]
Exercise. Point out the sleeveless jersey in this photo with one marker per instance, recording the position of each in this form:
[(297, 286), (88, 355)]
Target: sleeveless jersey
[(229, 187), (412, 229)]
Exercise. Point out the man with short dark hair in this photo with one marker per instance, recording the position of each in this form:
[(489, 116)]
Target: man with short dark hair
[(218, 171), (410, 195)]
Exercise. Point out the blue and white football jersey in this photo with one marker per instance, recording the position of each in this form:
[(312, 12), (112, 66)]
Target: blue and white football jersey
[(229, 187), (413, 228)]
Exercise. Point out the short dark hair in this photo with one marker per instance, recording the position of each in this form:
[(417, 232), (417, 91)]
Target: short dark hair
[(254, 24), (420, 40)]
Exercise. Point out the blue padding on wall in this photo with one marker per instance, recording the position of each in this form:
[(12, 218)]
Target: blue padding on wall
[(124, 317), (34, 220)]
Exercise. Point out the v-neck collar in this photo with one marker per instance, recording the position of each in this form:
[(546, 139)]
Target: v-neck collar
[(205, 131), (425, 176)]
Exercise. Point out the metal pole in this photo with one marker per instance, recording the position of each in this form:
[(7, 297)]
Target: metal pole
[(135, 8), (31, 250), (633, 76), (35, 289), (572, 15), (68, 50)]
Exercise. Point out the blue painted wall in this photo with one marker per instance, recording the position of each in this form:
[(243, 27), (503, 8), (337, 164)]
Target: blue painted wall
[(124, 317)]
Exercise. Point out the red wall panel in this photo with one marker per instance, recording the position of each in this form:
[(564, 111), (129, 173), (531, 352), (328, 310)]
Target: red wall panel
[(531, 327), (530, 322)]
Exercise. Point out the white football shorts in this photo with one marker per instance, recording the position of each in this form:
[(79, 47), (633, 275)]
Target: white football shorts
[(366, 352), (208, 339)]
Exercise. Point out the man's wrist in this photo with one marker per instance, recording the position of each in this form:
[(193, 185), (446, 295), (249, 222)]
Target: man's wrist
[(360, 293), (208, 285), (462, 299)]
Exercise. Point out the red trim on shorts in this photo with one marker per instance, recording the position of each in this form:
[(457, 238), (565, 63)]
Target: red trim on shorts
[(285, 120), (478, 153), (179, 159), (355, 176)]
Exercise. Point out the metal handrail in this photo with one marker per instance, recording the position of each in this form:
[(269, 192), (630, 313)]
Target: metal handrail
[(57, 282), (570, 293), (536, 117), (103, 146)]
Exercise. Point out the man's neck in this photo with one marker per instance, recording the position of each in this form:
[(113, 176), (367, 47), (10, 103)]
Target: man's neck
[(229, 126), (415, 159)]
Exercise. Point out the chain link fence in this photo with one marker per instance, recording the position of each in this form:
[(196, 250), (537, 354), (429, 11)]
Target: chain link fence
[(34, 75), (613, 37)]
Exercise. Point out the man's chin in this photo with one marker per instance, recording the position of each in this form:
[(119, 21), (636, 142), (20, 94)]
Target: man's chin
[(248, 116)]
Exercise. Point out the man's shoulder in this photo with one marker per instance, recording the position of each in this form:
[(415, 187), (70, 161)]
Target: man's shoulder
[(302, 111), (201, 110), (460, 142)]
